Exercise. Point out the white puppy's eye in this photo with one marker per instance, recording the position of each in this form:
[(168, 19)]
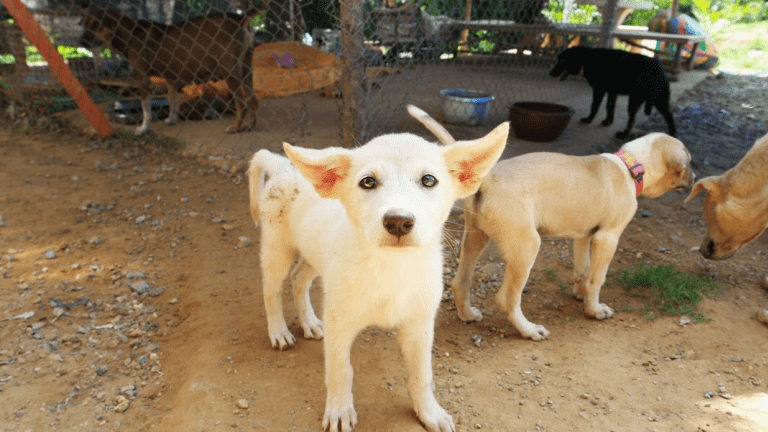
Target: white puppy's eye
[(429, 180), (367, 183)]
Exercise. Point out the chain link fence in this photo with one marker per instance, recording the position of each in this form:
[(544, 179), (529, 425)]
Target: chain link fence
[(338, 71)]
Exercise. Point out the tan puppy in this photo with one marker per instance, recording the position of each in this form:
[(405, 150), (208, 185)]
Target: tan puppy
[(590, 199), (736, 206)]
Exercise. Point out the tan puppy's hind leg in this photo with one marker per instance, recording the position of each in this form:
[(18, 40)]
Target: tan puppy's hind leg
[(580, 266), (603, 248)]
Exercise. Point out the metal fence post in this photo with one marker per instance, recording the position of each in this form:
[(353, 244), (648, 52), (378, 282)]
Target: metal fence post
[(352, 19)]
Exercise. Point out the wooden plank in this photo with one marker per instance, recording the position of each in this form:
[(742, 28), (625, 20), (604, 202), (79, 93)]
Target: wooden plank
[(60, 69)]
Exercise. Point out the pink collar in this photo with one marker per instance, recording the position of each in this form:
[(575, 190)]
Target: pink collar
[(635, 168)]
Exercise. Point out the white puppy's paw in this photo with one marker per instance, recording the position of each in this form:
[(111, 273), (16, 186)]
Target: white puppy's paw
[(470, 314), (282, 339), (171, 121), (603, 311), (534, 332), (341, 419), (437, 421), (313, 328)]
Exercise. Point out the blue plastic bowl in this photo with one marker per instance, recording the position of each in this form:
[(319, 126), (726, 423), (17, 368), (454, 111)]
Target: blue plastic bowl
[(468, 107)]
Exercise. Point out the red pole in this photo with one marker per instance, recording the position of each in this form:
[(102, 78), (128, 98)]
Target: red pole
[(60, 69)]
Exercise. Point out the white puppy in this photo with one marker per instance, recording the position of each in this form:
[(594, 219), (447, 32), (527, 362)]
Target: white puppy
[(590, 199), (369, 221)]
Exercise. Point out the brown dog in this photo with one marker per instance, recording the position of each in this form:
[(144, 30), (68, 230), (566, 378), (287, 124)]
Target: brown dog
[(209, 47), (736, 206)]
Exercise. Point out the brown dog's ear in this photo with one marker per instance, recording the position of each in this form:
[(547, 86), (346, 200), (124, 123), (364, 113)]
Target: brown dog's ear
[(325, 172), (469, 161), (711, 184)]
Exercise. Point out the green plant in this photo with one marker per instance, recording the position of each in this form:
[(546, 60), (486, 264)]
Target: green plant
[(563, 286), (673, 292)]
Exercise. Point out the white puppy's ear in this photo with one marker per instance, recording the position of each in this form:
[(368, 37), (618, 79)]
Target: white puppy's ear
[(711, 184), (325, 172), (436, 128), (469, 161)]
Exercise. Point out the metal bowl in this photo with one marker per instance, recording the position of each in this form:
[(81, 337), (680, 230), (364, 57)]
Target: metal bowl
[(539, 121)]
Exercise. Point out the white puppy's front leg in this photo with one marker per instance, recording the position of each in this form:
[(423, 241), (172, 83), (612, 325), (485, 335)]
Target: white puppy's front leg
[(603, 248), (340, 412), (416, 343)]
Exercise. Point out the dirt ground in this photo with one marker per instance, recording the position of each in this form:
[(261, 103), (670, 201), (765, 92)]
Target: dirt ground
[(130, 299)]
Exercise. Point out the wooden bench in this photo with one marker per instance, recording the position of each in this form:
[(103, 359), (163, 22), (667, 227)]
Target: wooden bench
[(680, 40), (571, 31)]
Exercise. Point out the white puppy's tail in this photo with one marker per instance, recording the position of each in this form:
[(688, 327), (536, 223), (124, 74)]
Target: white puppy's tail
[(263, 164), (431, 124)]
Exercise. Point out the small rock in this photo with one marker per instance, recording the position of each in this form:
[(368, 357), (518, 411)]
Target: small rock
[(477, 340), (662, 249), (95, 241), (101, 371), (50, 254), (141, 219), (244, 241), (685, 320), (2, 222), (139, 287), (25, 315), (646, 214), (173, 300), (726, 396), (709, 394), (737, 359), (242, 404), (135, 332), (762, 316), (122, 403), (135, 275), (156, 292), (764, 284)]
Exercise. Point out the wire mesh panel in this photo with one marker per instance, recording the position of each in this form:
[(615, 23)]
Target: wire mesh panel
[(292, 70)]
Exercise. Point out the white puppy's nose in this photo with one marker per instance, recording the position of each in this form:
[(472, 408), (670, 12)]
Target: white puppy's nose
[(398, 222)]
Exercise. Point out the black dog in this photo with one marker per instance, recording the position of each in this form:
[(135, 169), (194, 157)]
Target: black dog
[(618, 73)]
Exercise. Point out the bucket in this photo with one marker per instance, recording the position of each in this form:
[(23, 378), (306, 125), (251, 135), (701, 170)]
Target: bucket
[(468, 107)]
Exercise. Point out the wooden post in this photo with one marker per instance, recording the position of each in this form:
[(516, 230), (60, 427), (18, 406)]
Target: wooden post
[(60, 69), (609, 23), (463, 48), (351, 20), (674, 8)]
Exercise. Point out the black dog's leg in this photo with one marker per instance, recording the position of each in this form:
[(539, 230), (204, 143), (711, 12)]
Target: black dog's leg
[(597, 99), (610, 109), (664, 110), (635, 101)]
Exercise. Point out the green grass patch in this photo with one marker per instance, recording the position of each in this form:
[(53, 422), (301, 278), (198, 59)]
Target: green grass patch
[(673, 292), (563, 286)]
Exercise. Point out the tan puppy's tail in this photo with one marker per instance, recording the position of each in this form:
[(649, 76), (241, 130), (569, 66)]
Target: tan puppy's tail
[(264, 164), (436, 128)]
